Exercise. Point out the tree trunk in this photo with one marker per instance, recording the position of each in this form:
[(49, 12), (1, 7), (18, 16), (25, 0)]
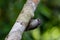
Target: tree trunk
[(22, 21)]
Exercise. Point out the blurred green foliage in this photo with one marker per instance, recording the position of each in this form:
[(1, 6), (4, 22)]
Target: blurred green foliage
[(48, 11)]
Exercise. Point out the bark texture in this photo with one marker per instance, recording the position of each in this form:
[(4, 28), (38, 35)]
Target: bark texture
[(22, 21)]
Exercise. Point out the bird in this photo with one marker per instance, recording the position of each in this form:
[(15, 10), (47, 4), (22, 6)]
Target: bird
[(34, 23)]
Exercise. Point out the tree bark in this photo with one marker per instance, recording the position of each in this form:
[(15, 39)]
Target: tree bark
[(22, 21)]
